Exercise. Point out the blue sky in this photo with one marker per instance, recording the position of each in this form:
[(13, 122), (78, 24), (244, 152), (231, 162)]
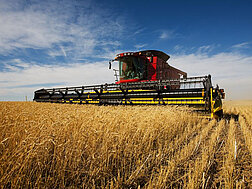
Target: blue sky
[(67, 43)]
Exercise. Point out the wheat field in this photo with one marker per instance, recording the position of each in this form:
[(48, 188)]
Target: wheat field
[(45, 145)]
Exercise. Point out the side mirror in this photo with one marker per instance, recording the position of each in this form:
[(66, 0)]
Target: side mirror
[(110, 65)]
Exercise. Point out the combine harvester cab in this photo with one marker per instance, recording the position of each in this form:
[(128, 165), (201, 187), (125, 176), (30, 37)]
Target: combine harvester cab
[(145, 78), (146, 66)]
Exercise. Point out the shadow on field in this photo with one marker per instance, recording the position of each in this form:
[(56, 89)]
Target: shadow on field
[(231, 116)]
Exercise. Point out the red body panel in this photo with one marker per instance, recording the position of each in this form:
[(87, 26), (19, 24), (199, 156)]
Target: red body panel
[(156, 67), (128, 81), (165, 71)]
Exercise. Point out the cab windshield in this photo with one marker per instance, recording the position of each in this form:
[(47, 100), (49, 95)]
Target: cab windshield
[(131, 67)]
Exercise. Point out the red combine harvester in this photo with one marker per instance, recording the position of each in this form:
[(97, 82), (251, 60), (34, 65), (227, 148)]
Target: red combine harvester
[(145, 78)]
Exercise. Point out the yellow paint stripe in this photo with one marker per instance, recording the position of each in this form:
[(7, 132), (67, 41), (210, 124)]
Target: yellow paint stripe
[(211, 91), (141, 98), (170, 102), (192, 98), (145, 101), (189, 98), (119, 91)]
